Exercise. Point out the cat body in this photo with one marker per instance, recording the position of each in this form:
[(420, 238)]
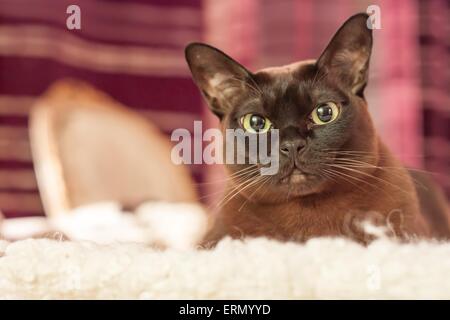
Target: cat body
[(385, 200), (334, 170)]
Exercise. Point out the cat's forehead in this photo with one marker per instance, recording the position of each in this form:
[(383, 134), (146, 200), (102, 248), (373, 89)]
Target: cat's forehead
[(278, 79), (286, 81)]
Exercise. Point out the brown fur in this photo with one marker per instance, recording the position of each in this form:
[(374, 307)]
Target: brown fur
[(312, 202), (332, 213)]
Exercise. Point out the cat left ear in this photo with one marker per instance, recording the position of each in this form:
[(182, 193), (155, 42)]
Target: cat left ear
[(220, 78), (347, 55)]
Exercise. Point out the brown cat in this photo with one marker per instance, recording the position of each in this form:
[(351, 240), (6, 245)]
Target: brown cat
[(334, 171)]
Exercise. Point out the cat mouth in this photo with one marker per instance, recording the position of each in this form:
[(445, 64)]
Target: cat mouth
[(295, 176)]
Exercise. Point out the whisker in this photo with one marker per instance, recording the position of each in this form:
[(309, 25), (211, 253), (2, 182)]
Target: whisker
[(369, 153), (263, 182), (391, 169), (371, 185), (243, 181), (361, 164), (238, 183), (250, 183), (232, 176), (236, 180), (343, 176), (370, 176)]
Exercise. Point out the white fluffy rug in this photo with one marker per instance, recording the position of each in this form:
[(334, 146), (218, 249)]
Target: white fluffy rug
[(258, 268), (174, 225), (112, 265)]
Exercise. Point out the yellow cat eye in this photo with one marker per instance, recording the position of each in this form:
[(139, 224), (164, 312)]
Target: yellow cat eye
[(255, 123), (325, 113)]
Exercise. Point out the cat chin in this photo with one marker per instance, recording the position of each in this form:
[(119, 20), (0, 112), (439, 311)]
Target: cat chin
[(301, 189), (291, 187), (300, 183)]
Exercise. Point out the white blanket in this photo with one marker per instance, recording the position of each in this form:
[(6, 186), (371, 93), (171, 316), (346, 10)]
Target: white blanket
[(258, 268), (112, 265)]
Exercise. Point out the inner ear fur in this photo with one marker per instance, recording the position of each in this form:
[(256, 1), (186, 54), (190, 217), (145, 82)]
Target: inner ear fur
[(347, 55), (220, 78)]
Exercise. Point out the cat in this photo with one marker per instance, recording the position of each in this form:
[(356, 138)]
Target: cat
[(334, 171)]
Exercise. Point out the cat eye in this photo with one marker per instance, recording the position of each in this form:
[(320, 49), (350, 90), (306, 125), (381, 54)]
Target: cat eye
[(325, 113), (255, 123)]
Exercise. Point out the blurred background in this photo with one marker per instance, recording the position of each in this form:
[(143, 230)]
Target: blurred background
[(133, 51)]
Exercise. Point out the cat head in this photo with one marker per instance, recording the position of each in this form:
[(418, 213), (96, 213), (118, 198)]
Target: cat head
[(318, 107)]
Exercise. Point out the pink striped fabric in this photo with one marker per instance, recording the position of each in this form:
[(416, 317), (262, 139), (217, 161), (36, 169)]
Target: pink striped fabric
[(132, 50), (435, 83)]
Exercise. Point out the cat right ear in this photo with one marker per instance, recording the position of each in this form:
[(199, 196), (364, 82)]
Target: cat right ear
[(348, 53), (219, 77)]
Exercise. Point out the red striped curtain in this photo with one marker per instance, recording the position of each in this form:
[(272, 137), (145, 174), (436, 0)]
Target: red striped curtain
[(132, 50), (435, 84)]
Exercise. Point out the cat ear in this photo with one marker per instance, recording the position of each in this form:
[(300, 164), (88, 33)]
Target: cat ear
[(219, 77), (347, 55)]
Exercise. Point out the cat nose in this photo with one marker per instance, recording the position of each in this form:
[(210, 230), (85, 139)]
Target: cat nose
[(290, 148)]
